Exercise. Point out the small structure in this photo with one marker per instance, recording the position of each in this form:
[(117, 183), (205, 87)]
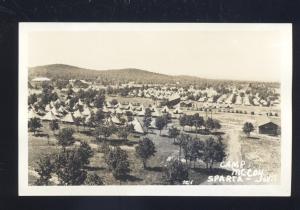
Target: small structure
[(269, 127)]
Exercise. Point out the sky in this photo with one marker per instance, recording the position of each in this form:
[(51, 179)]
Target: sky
[(233, 54)]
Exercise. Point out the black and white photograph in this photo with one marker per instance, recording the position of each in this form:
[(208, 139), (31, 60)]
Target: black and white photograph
[(155, 109)]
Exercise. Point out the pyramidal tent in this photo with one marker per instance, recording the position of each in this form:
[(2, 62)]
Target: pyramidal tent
[(138, 128), (115, 120), (86, 111), (48, 108), (32, 114), (120, 106), (77, 114), (67, 102), (68, 118), (52, 104), (153, 123), (61, 109), (130, 107), (140, 108), (177, 111), (54, 111), (57, 102), (119, 111), (141, 113), (165, 109), (105, 109), (80, 102), (156, 112), (50, 116)]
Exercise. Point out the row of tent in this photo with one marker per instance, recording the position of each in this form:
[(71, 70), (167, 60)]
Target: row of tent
[(69, 118)]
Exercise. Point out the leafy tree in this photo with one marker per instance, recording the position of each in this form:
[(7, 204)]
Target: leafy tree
[(117, 161), (167, 118), (99, 100), (93, 179), (213, 151), (53, 124), (124, 131), (60, 84), (160, 123), (181, 141), (65, 137), (248, 128), (91, 121), (145, 150), (34, 124), (129, 115), (109, 90), (99, 117), (105, 149), (45, 167), (183, 120), (114, 102), (147, 118), (69, 168), (212, 124), (32, 99), (125, 91), (104, 130), (173, 133), (70, 91), (176, 172), (192, 149), (78, 121), (85, 152), (197, 121)]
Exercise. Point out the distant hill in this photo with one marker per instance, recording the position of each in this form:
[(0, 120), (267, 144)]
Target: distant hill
[(62, 71)]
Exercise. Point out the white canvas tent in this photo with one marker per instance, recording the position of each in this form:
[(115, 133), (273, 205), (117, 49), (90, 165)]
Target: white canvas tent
[(48, 108), (141, 113), (115, 120), (138, 128), (153, 124), (61, 109), (140, 108), (165, 109), (68, 118), (119, 111), (80, 102), (33, 114), (86, 111), (50, 116), (177, 111), (77, 114), (54, 111), (105, 109), (156, 112)]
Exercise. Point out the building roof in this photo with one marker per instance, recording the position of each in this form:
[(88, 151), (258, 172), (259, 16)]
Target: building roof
[(40, 79), (268, 120)]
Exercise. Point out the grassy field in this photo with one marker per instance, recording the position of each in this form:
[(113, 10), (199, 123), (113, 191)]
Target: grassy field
[(260, 151)]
